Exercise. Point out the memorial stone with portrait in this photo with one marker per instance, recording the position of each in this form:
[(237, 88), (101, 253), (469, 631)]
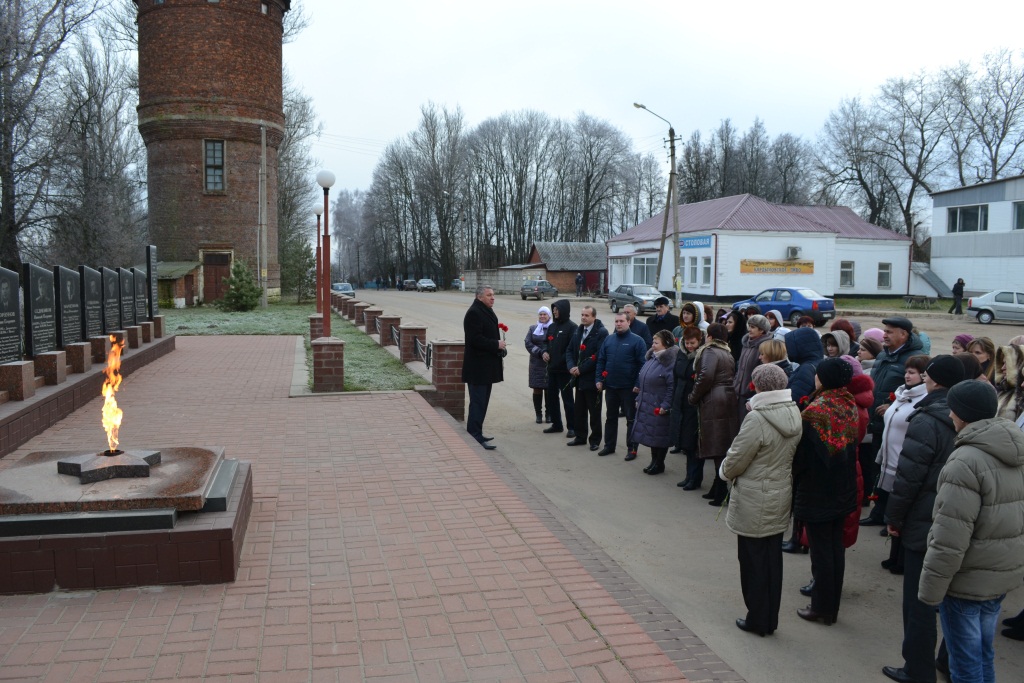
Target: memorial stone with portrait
[(92, 301), (141, 295), (69, 306), (10, 317), (111, 300), (40, 311), (127, 297)]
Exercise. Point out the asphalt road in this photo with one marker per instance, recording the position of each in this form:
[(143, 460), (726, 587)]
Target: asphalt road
[(677, 546)]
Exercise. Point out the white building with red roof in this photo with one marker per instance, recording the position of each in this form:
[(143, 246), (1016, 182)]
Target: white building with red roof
[(737, 246)]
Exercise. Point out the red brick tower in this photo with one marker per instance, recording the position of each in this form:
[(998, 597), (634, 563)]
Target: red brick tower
[(209, 85)]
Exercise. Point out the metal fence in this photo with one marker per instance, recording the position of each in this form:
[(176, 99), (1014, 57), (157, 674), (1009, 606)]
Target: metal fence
[(376, 323), (396, 336), (423, 351)]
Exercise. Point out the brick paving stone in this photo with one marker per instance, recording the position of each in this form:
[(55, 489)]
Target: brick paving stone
[(398, 553)]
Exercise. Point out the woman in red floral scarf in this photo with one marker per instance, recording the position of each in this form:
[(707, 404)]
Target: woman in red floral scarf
[(825, 483)]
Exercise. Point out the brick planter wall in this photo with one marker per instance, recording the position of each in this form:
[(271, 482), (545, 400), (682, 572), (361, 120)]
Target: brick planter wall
[(370, 316), (357, 316), (316, 326), (408, 349), (446, 376), (328, 364), (386, 323), (348, 307)]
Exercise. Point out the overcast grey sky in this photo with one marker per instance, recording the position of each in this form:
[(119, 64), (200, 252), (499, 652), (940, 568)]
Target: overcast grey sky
[(369, 66)]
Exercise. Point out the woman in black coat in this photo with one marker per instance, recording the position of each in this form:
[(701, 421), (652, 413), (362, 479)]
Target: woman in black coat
[(825, 483), (736, 324), (685, 420)]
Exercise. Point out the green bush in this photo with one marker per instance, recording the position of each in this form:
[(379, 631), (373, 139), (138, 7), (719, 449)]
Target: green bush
[(243, 293)]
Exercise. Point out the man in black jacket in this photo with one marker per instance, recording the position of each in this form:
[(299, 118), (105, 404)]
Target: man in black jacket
[(482, 360), (662, 318), (636, 327), (560, 331), (581, 359), (908, 513)]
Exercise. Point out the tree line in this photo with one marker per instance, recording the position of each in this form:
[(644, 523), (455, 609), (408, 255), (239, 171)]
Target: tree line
[(448, 197)]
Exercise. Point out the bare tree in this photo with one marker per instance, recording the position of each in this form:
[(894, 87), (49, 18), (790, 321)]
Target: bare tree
[(697, 166), (790, 172), (32, 34)]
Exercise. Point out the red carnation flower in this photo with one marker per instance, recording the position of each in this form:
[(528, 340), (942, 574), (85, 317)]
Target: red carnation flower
[(550, 338), (604, 374), (892, 397), (657, 411), (583, 347), (593, 356), (503, 327), (803, 400), (751, 387)]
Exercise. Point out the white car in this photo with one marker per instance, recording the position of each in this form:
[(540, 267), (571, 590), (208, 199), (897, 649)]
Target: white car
[(426, 285), (998, 305)]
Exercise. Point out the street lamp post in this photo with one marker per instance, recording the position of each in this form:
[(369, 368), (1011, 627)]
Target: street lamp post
[(671, 203), (325, 179), (319, 211)]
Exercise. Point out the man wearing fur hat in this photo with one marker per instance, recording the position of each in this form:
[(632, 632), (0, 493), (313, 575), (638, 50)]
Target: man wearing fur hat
[(927, 445), (976, 544)]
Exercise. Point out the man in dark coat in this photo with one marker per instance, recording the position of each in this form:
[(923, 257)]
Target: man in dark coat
[(560, 331), (579, 285), (581, 360), (636, 327), (662, 318), (482, 360), (898, 344), (958, 297), (618, 366), (929, 441)]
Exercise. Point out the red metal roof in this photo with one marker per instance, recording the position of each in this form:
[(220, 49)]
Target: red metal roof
[(746, 212)]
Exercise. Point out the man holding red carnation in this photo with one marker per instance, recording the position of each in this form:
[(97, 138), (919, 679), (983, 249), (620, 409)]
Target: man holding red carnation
[(482, 360)]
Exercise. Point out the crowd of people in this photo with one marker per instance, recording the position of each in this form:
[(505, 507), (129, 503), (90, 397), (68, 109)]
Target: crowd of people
[(804, 429)]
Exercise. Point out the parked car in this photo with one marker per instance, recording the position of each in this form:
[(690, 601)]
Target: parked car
[(537, 288), (344, 287), (426, 285), (793, 303), (408, 286), (998, 305), (641, 296), (457, 284)]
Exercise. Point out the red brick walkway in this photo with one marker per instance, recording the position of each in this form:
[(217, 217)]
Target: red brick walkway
[(382, 547)]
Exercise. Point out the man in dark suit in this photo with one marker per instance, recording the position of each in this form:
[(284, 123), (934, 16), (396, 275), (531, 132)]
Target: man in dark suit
[(482, 360), (581, 359)]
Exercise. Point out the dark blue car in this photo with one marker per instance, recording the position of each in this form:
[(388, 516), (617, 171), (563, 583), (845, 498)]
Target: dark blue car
[(793, 303)]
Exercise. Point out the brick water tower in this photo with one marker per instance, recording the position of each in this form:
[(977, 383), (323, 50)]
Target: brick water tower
[(211, 115)]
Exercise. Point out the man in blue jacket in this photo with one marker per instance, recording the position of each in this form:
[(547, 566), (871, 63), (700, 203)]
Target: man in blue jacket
[(618, 366)]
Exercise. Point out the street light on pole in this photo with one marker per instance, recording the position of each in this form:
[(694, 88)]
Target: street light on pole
[(325, 179), (671, 203), (319, 211)]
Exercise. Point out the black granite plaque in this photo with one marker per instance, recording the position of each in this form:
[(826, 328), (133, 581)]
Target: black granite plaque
[(127, 297), (141, 295), (151, 275), (40, 311), (92, 301), (111, 300), (10, 317), (69, 306)]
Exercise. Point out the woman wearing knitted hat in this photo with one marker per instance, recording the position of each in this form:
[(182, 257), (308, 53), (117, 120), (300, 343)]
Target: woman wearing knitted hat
[(960, 342), (759, 465), (825, 481)]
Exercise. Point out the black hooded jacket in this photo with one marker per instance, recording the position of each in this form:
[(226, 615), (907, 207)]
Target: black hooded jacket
[(803, 346), (560, 330)]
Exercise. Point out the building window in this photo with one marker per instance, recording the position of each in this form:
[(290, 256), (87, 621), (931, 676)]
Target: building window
[(264, 7), (968, 219), (214, 162), (884, 275), (707, 271), (1018, 216), (693, 270), (846, 273), (645, 270)]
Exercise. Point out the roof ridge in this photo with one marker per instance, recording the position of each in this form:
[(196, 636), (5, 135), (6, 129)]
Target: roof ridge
[(745, 196), (788, 209)]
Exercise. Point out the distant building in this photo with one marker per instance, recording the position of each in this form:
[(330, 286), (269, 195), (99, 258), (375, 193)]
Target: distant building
[(563, 260), (737, 246), (978, 234), (210, 90)]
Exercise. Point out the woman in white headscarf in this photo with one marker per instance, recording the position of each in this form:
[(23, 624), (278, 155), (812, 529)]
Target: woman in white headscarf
[(536, 344)]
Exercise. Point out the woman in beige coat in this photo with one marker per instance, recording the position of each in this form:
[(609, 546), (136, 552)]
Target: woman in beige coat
[(759, 465)]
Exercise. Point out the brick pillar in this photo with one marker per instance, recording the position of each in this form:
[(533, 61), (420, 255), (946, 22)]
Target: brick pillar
[(18, 379), (158, 326), (386, 323), (147, 331), (79, 357), (357, 317), (328, 364), (134, 333), (52, 366), (446, 375), (350, 308), (408, 349), (316, 326), (370, 316), (100, 348), (346, 307)]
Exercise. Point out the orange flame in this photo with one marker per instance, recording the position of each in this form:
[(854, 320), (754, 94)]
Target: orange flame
[(111, 413)]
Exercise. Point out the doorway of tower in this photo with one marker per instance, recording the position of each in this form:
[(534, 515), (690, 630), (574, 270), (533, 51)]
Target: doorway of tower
[(216, 267)]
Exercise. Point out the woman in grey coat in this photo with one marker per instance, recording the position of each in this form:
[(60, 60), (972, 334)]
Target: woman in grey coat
[(654, 386), (536, 342), (759, 465)]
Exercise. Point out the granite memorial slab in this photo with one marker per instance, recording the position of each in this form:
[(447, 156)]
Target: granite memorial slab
[(111, 300), (40, 311), (10, 317), (151, 277), (127, 281), (68, 290), (92, 301), (141, 295)]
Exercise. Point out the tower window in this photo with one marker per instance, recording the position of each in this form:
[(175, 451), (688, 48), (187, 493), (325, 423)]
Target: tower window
[(265, 8), (214, 163)]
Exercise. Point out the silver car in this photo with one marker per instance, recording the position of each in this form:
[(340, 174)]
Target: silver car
[(998, 305), (641, 296)]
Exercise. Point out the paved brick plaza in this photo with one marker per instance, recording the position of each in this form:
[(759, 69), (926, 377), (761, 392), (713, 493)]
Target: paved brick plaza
[(382, 547)]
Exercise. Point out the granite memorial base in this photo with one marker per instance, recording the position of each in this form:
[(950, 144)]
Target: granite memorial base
[(134, 333), (100, 348), (147, 331), (79, 357), (184, 524), (52, 366), (158, 326), (18, 379)]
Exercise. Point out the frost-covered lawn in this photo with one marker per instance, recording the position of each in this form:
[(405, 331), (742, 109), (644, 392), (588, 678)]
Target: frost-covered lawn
[(368, 367)]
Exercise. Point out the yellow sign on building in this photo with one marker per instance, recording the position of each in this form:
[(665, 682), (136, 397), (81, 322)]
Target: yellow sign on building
[(777, 267)]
